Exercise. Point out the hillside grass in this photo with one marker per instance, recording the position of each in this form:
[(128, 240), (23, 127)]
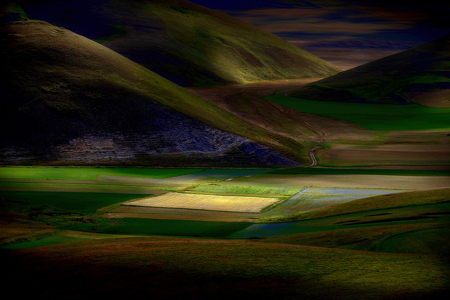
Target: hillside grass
[(419, 238), (373, 116), (189, 44), (240, 52), (404, 199)]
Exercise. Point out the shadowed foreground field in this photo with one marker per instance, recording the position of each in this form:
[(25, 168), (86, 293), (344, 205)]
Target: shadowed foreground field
[(317, 241), (166, 268)]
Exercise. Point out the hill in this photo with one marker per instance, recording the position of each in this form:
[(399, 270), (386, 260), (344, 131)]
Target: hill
[(419, 75), (182, 41), (68, 98)]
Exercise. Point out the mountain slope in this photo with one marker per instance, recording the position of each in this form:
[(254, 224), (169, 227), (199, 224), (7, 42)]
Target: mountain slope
[(183, 42), (420, 75), (67, 98)]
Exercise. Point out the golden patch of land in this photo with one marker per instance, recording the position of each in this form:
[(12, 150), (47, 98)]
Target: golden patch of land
[(206, 202)]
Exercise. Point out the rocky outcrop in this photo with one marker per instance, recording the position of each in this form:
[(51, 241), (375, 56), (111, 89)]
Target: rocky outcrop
[(164, 132)]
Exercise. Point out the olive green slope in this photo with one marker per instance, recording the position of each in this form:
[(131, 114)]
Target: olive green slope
[(421, 75), (183, 42), (66, 97)]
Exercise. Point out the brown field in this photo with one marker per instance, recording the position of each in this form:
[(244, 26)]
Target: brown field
[(358, 155), (206, 202), (15, 228), (434, 99), (427, 137), (180, 214)]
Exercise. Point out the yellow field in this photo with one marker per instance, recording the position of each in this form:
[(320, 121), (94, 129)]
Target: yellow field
[(206, 202)]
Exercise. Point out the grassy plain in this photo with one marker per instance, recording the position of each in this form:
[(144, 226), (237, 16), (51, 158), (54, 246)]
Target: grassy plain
[(373, 116)]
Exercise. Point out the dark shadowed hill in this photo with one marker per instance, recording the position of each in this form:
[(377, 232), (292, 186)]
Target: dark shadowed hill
[(420, 75), (182, 41), (67, 98)]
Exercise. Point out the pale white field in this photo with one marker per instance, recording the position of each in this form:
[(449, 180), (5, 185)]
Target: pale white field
[(206, 202)]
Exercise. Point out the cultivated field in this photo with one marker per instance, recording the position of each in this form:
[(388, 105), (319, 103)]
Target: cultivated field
[(382, 216), (338, 155), (346, 181), (206, 202)]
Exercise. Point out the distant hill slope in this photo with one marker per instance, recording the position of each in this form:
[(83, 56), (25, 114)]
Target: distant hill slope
[(182, 41), (67, 98), (421, 75)]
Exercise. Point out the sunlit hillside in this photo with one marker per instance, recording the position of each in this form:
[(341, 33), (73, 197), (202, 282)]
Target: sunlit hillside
[(183, 42), (419, 75)]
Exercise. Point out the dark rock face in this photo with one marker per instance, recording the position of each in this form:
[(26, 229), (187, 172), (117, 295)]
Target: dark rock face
[(10, 17), (159, 132)]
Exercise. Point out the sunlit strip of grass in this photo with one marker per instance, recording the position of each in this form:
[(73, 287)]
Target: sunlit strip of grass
[(54, 186), (373, 116), (252, 190), (86, 173)]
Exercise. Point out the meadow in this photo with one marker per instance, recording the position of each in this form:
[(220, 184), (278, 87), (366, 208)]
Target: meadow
[(373, 116)]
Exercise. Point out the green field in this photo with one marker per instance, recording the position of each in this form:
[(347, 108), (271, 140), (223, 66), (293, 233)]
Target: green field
[(229, 188), (85, 203), (373, 116), (85, 173)]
